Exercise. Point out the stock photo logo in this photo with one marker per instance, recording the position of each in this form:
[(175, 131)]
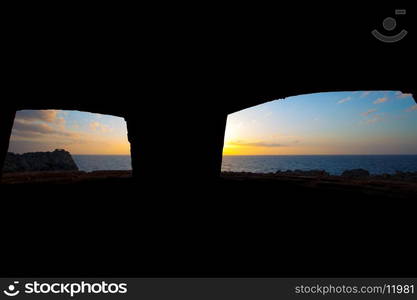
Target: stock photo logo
[(389, 25), (12, 290), (71, 289)]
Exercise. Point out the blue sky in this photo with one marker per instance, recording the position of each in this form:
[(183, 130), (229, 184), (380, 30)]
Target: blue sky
[(383, 122), (75, 131)]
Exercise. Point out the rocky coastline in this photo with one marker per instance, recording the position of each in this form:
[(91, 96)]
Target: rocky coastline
[(59, 167), (58, 160), (355, 174)]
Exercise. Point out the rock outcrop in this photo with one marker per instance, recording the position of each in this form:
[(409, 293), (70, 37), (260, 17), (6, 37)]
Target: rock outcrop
[(58, 160), (316, 173), (356, 173), (399, 176)]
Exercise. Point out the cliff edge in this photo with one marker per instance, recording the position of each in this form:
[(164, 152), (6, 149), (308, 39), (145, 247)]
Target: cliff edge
[(58, 160)]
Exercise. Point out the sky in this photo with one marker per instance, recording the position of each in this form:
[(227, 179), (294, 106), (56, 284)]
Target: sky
[(75, 131), (376, 122)]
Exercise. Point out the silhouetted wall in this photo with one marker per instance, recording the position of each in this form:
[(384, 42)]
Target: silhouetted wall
[(171, 140), (6, 124), (176, 86)]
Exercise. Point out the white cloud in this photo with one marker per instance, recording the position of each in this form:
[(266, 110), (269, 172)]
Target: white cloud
[(401, 95), (97, 126), (412, 108), (46, 130), (255, 144), (48, 116), (371, 117), (376, 118), (368, 112), (344, 100), (366, 93), (381, 100), (25, 128)]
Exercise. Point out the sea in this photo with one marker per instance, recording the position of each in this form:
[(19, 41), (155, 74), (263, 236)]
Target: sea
[(334, 164), (89, 163)]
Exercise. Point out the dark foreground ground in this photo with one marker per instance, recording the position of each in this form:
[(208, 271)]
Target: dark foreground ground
[(63, 177), (108, 224), (395, 186)]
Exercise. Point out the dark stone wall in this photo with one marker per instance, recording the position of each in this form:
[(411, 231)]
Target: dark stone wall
[(175, 73), (176, 138), (176, 144), (6, 124), (176, 84)]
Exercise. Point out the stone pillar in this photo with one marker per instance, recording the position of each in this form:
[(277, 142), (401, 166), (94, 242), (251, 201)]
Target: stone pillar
[(206, 144), (6, 124), (133, 132), (143, 146), (177, 148)]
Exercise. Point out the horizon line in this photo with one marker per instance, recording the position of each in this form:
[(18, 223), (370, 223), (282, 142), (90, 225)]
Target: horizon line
[(318, 154), (277, 154), (128, 154)]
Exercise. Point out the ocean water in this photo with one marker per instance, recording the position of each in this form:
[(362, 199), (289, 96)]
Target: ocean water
[(334, 164), (90, 163)]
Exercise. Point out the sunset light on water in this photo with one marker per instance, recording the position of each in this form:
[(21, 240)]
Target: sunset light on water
[(382, 122)]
